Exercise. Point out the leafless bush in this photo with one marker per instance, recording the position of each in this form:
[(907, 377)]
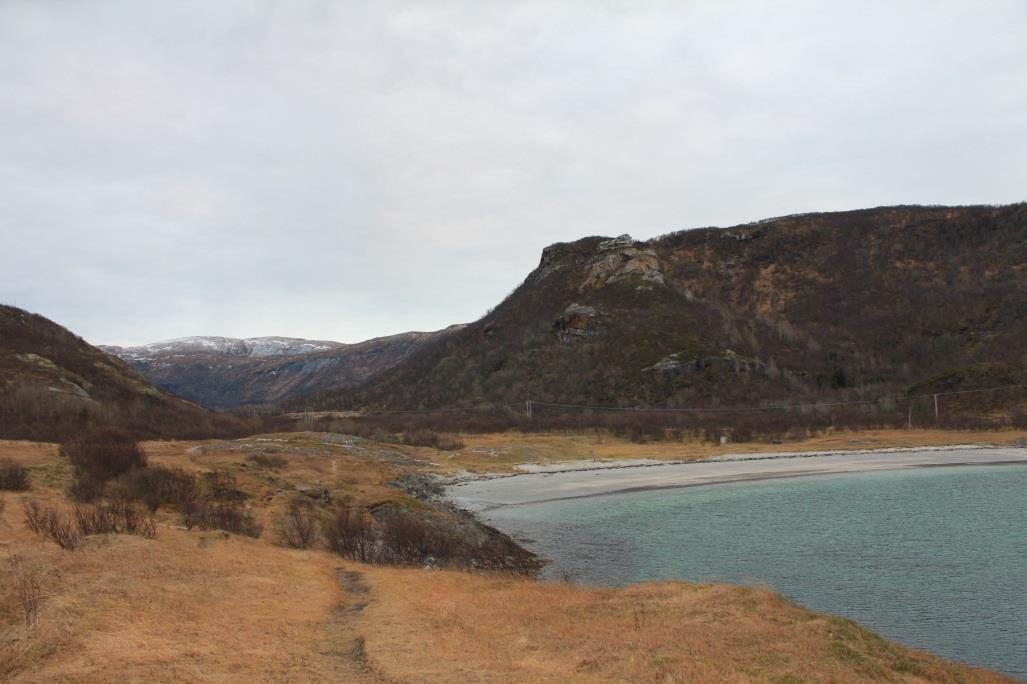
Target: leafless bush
[(48, 522), (410, 540), (269, 461), (298, 528), (398, 538), (62, 531), (116, 517), (221, 515), (103, 454), (107, 518), (349, 533), (86, 489), (223, 486), (27, 589), (13, 476), (430, 438), (156, 486), (34, 516)]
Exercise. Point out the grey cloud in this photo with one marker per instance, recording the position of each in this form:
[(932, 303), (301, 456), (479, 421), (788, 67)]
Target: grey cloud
[(344, 170)]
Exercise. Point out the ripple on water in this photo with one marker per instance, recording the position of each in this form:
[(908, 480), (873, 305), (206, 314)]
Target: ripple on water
[(932, 558)]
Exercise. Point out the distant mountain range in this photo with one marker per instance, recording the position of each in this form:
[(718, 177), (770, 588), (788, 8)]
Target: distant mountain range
[(222, 346), (224, 372)]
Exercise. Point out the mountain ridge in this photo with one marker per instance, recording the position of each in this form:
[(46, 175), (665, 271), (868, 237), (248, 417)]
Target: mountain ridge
[(225, 373), (811, 305)]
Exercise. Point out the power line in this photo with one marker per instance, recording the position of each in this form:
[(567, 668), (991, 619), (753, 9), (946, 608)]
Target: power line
[(780, 407), (530, 405)]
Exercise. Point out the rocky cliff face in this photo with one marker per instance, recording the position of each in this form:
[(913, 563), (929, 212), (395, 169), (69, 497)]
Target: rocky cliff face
[(222, 372), (818, 305)]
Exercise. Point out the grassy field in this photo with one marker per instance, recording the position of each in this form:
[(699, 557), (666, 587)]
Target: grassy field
[(208, 606), (501, 452)]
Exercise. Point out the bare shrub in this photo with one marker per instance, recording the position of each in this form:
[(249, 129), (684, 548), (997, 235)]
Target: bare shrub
[(34, 516), (27, 589), (158, 486), (13, 476), (103, 454), (269, 461), (86, 489), (221, 515), (48, 522), (223, 486), (298, 529), (117, 517), (62, 531), (349, 533), (109, 518), (411, 540), (398, 538), (429, 438)]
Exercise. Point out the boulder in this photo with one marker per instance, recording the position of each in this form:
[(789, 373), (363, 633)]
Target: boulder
[(577, 322), (621, 258)]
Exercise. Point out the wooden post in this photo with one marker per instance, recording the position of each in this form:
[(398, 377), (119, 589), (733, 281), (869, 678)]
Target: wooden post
[(935, 408)]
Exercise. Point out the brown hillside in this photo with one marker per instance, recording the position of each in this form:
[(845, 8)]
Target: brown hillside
[(838, 306), (53, 384)]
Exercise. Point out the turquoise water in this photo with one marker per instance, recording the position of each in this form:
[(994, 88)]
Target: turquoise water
[(935, 558)]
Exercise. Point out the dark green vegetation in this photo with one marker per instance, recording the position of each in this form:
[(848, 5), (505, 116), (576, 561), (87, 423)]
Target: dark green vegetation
[(849, 306), (54, 385)]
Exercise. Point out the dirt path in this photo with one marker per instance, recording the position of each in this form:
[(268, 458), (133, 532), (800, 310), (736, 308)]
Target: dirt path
[(347, 635)]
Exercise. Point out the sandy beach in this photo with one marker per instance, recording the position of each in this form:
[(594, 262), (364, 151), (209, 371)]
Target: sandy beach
[(607, 478)]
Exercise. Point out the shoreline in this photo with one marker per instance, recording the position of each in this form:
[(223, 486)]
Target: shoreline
[(479, 494)]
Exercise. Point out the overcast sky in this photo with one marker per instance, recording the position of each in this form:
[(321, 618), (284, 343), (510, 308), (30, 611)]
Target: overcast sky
[(343, 170)]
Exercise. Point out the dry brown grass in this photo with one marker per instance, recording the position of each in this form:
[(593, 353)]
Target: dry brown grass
[(186, 607), (500, 452), (206, 606), (446, 627)]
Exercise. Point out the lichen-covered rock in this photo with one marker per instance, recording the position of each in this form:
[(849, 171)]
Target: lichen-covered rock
[(577, 322), (620, 259)]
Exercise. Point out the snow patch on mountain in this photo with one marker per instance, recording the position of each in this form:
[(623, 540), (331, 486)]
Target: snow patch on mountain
[(222, 346)]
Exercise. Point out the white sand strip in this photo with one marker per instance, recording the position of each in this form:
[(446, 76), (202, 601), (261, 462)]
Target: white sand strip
[(482, 494)]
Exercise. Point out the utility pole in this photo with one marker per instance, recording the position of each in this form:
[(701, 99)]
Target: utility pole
[(909, 421), (935, 408)]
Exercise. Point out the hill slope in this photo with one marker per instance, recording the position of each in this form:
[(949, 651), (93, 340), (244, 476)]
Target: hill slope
[(836, 305), (222, 372), (53, 383)]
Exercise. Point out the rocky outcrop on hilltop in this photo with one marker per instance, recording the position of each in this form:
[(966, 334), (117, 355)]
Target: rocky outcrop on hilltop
[(820, 306), (621, 259)]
